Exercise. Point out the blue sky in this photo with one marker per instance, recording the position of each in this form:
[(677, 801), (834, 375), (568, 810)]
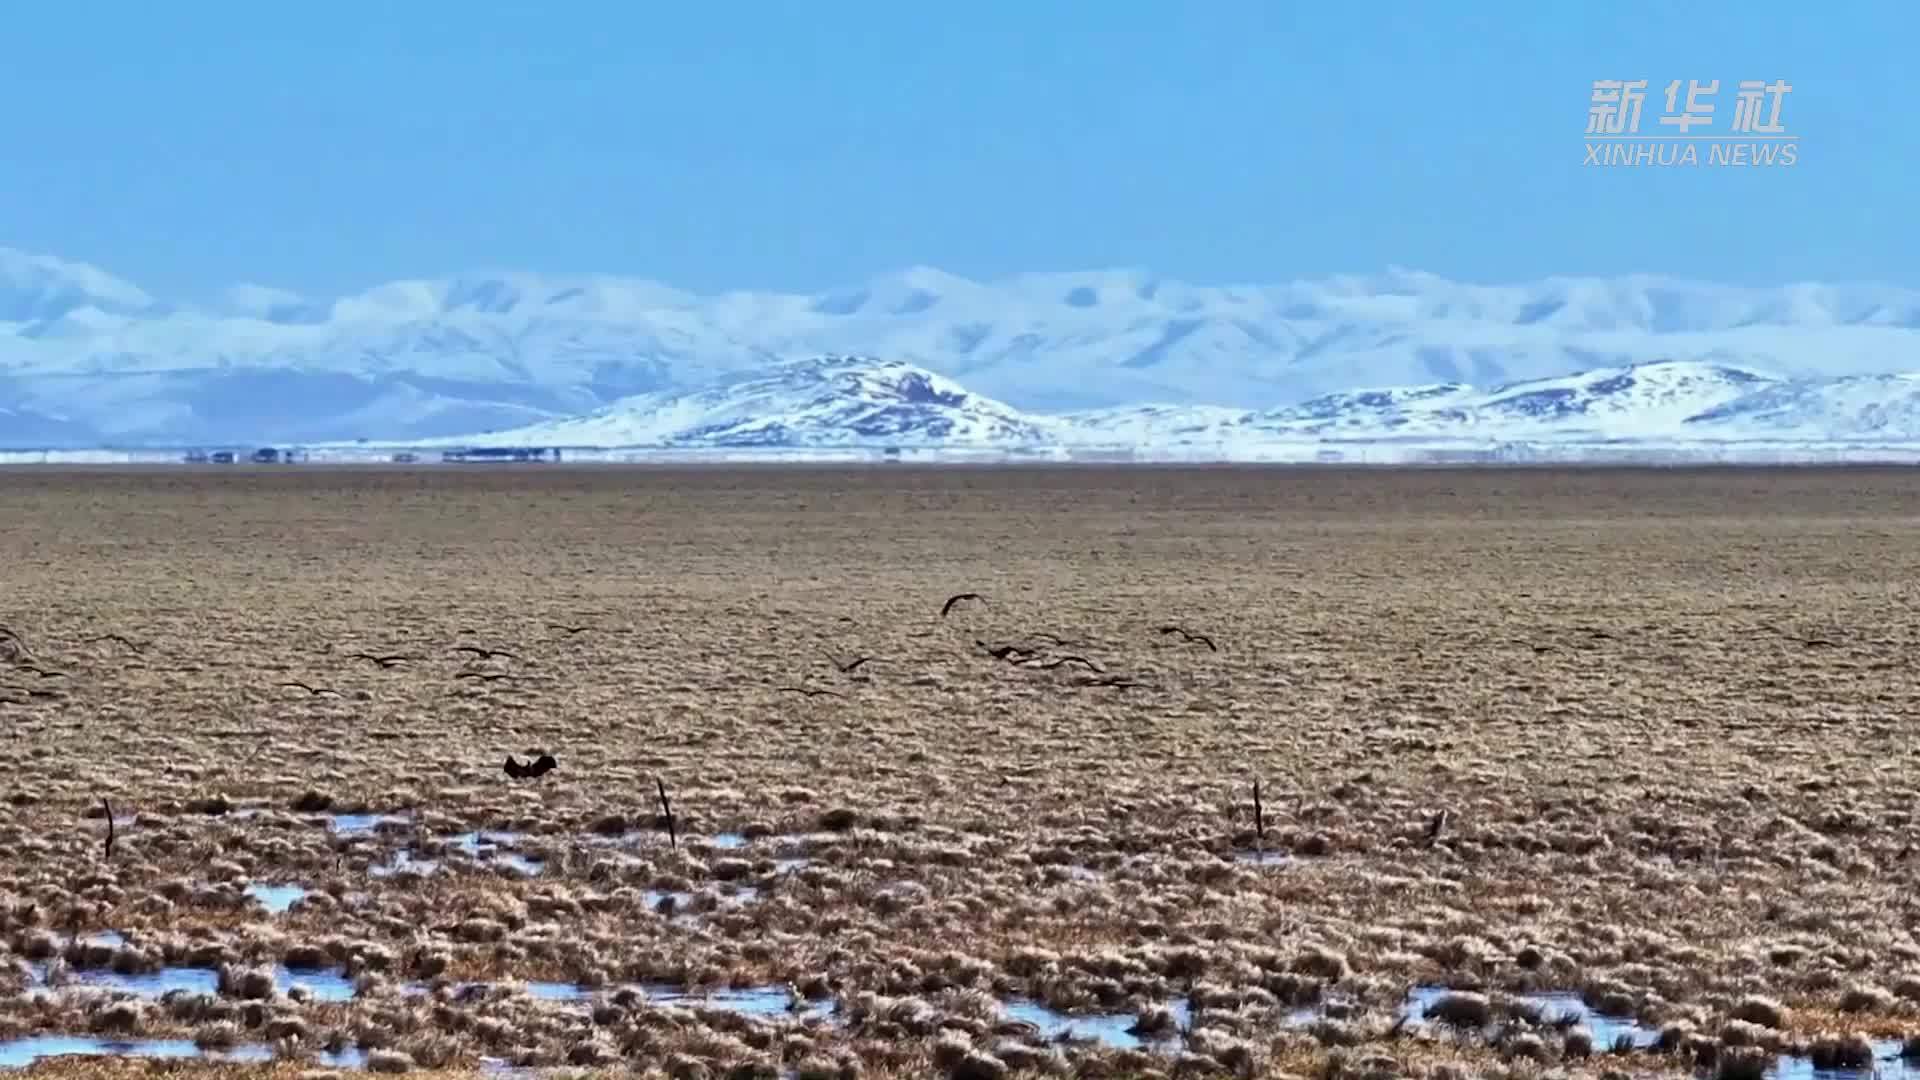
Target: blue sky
[(812, 144)]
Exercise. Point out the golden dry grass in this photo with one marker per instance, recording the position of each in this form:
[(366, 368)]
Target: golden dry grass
[(1660, 796)]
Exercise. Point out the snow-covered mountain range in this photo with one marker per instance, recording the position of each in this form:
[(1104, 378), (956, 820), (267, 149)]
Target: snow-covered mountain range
[(837, 401), (87, 357)]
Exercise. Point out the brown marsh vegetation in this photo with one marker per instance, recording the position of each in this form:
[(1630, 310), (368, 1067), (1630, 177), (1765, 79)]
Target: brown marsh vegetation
[(1669, 716)]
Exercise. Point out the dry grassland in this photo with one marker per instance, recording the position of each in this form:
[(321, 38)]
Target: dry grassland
[(1670, 716)]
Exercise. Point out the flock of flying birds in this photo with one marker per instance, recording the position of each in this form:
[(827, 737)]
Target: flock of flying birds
[(20, 661), (1037, 654)]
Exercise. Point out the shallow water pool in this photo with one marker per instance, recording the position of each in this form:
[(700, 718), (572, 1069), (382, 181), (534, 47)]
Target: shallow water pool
[(20, 1053)]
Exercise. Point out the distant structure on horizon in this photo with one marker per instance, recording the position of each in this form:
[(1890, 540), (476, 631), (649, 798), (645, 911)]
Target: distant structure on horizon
[(492, 454), (265, 455)]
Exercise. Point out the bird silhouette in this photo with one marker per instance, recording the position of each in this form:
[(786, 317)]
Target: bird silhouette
[(1190, 636), (809, 691), (43, 672), (1056, 661), (484, 654), (486, 676), (383, 661), (1433, 829), (568, 630), (315, 691), (538, 767), (956, 598), (121, 638), (1007, 652), (851, 666)]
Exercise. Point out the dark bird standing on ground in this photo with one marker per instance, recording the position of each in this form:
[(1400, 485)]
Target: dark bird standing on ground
[(956, 598), (383, 661), (1433, 830), (315, 691), (1190, 636), (539, 766), (484, 654)]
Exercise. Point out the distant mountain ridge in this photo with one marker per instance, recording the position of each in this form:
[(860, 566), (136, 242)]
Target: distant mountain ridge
[(839, 401), (105, 360), (826, 401)]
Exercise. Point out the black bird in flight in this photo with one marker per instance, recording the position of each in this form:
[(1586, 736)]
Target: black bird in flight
[(489, 676), (1006, 652), (956, 598), (121, 638), (1058, 660), (383, 661), (852, 665), (568, 630), (43, 672), (1190, 636), (539, 766), (809, 691), (484, 654), (315, 691)]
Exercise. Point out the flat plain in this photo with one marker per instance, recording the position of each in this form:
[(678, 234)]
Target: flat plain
[(1668, 716)]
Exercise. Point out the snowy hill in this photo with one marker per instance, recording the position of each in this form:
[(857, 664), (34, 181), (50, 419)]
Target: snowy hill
[(1866, 407), (852, 401), (828, 401), (416, 359), (37, 290), (1646, 401)]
